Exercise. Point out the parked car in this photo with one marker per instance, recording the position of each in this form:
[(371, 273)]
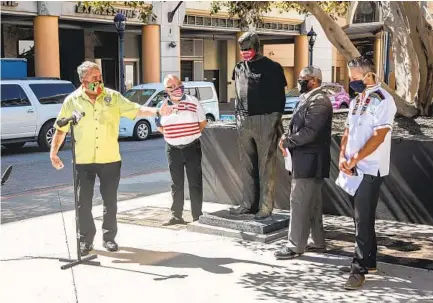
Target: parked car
[(28, 110), (336, 93), (292, 99), (339, 97), (152, 93)]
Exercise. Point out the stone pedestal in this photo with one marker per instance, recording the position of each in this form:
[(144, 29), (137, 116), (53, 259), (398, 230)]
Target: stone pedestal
[(243, 227)]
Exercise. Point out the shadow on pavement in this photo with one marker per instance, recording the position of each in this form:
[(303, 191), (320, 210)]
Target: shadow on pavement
[(173, 259)]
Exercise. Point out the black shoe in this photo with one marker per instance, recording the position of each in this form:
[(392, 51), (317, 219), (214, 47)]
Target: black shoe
[(315, 249), (285, 254), (174, 221), (354, 281), (195, 219), (110, 245), (346, 270), (239, 211), (261, 215), (85, 248)]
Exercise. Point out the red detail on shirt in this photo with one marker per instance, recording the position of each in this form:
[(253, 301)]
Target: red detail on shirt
[(186, 134)]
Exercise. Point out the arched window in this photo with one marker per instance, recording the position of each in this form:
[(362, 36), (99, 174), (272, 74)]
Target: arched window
[(366, 12)]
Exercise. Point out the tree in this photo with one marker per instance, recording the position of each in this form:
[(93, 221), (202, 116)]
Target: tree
[(412, 39)]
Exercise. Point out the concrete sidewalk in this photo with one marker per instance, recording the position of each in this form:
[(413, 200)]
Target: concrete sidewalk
[(163, 265)]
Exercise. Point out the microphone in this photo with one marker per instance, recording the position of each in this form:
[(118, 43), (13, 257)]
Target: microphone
[(76, 116), (6, 174)]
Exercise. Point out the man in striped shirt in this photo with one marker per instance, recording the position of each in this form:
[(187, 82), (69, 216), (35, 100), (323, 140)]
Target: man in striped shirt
[(182, 130)]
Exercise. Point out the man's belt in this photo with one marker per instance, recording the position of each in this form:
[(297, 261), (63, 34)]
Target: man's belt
[(185, 145)]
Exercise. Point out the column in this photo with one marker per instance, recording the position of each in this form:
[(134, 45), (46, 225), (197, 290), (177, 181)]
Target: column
[(346, 78), (47, 53), (300, 56), (378, 50), (151, 53)]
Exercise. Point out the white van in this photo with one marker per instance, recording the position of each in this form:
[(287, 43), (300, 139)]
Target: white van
[(151, 94)]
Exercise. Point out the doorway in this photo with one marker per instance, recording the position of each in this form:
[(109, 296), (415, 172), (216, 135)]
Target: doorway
[(187, 70), (109, 73), (214, 77)]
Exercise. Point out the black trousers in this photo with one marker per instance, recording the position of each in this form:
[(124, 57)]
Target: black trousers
[(258, 148), (365, 203), (189, 158), (109, 177)]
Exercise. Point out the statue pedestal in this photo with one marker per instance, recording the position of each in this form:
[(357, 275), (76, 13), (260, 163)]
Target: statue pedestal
[(244, 227)]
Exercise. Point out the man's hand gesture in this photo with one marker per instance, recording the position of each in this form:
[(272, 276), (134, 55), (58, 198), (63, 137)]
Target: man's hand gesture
[(166, 109)]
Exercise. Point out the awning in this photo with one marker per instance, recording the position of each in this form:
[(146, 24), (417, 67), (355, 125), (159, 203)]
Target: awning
[(363, 30)]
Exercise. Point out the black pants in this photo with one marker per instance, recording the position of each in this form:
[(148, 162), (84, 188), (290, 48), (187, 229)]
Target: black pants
[(188, 157), (364, 203), (258, 148), (109, 177)]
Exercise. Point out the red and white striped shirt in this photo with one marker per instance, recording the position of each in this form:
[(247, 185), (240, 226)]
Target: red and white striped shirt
[(182, 126)]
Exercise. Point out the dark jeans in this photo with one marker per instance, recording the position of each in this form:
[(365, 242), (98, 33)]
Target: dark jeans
[(364, 203), (258, 148), (189, 158), (109, 177)]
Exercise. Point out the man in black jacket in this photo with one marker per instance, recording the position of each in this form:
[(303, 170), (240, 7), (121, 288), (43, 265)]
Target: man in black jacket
[(260, 100), (308, 140)]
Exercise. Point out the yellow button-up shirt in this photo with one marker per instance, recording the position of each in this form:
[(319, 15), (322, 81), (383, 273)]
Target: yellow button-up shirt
[(97, 132)]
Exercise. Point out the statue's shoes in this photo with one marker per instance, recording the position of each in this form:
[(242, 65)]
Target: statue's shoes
[(262, 215), (239, 211)]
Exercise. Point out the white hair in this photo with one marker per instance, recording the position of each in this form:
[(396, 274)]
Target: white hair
[(85, 67), (170, 77)]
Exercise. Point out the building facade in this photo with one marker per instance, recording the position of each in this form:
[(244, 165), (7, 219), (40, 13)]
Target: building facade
[(56, 37)]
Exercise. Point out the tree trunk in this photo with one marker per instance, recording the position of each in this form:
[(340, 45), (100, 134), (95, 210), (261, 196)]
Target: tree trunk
[(421, 35), (341, 41)]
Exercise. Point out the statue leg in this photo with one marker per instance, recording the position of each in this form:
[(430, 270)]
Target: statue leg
[(249, 169), (267, 135)]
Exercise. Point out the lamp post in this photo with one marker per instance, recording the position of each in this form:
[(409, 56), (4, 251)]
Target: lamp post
[(311, 40), (120, 23)]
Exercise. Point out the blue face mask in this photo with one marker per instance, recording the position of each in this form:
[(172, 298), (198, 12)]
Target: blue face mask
[(358, 86)]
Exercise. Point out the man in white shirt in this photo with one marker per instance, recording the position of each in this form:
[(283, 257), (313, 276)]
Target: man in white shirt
[(182, 131), (365, 149)]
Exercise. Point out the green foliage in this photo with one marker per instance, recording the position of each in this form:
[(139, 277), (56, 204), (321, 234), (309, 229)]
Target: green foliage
[(251, 12), (144, 9)]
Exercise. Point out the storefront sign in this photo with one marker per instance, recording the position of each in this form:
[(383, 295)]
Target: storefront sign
[(10, 3), (109, 11)]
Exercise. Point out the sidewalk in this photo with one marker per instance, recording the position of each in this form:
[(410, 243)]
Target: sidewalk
[(168, 265)]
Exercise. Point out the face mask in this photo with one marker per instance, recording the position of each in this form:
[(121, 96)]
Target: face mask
[(178, 92), (358, 86), (96, 87), (248, 55), (303, 86)]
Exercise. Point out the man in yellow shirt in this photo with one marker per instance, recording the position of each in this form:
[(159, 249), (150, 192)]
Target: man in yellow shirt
[(97, 148)]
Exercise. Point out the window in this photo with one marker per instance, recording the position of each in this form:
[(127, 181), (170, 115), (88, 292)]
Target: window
[(331, 89), (12, 95), (206, 93), (191, 91), (139, 96), (158, 98), (51, 93)]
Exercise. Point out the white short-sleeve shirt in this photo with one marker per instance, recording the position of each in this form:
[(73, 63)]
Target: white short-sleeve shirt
[(182, 126), (374, 109)]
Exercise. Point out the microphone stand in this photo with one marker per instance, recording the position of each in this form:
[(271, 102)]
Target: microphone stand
[(79, 260)]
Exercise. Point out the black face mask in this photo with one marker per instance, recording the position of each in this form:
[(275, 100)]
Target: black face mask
[(303, 86), (357, 85)]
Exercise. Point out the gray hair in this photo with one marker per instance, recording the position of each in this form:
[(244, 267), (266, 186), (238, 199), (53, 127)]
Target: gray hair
[(168, 78), (365, 64), (311, 71), (85, 67)]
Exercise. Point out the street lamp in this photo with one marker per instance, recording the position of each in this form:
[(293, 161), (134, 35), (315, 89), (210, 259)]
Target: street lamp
[(311, 40), (120, 23)]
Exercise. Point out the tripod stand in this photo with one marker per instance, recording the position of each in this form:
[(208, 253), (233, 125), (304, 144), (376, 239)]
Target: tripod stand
[(79, 260)]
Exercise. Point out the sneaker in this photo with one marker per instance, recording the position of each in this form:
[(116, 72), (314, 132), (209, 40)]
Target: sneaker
[(285, 254), (354, 282), (85, 248), (315, 249), (174, 221), (110, 245), (346, 269), (239, 211)]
